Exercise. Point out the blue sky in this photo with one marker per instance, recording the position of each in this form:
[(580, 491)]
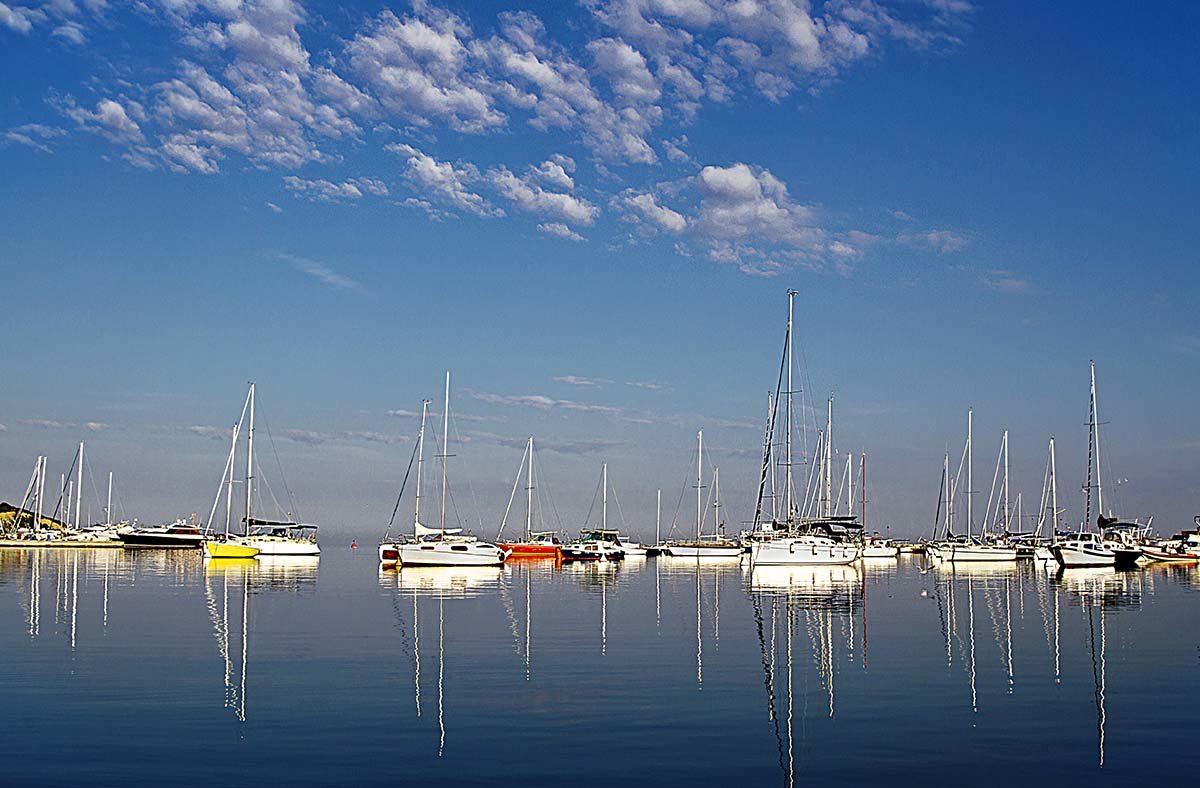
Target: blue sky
[(560, 201)]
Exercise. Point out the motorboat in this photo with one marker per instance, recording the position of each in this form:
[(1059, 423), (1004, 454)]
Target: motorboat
[(1083, 549), (537, 545), (590, 551), (631, 547), (875, 547), (178, 535)]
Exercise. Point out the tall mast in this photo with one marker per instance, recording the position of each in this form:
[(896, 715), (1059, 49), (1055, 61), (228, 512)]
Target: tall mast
[(771, 458), (970, 464), (658, 520), (949, 495), (420, 465), (1053, 495), (699, 479), (249, 463), (445, 446), (79, 479), (789, 486), (37, 523), (1007, 529), (829, 458), (863, 491), (604, 497), (1096, 428), (108, 508), (64, 500), (529, 495)]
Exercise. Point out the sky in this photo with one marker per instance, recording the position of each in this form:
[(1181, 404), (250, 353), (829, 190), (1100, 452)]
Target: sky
[(591, 213)]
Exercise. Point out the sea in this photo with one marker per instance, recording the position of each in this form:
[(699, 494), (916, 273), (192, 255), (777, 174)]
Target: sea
[(163, 668)]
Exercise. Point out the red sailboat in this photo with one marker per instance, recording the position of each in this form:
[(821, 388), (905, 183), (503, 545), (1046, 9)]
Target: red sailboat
[(536, 544)]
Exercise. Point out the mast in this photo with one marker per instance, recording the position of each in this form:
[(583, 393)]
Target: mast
[(699, 479), (789, 486), (1096, 428), (1053, 496), (37, 524), (108, 508), (863, 491), (658, 520), (420, 469), (445, 447), (79, 479), (970, 464), (249, 464), (1007, 529), (529, 496), (829, 459), (604, 498), (949, 495), (770, 450)]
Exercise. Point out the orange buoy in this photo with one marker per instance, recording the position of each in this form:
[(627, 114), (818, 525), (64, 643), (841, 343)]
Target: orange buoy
[(353, 545)]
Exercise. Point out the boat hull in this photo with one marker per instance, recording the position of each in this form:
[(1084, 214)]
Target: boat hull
[(1169, 557), (523, 550), (797, 552), (229, 550), (963, 553), (1071, 557), (703, 551), (880, 552), (448, 554), (162, 541), (277, 546)]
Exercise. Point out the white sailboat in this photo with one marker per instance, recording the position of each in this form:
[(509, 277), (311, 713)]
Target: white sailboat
[(967, 547), (716, 544), (440, 546), (1085, 548), (596, 544)]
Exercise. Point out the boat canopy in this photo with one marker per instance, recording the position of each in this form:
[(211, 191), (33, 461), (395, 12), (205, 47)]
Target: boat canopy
[(424, 530)]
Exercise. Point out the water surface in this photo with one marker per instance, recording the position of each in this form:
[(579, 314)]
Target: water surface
[(147, 667)]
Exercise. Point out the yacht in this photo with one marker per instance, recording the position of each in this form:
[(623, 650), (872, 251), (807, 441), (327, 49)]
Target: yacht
[(1083, 549), (716, 544), (179, 534), (282, 538), (875, 547), (535, 544)]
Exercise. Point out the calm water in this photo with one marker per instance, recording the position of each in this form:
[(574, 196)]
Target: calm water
[(149, 667)]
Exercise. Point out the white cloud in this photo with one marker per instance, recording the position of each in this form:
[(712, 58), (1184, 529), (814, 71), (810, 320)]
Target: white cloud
[(542, 402), (1002, 281), (527, 194), (33, 135), (559, 229), (328, 191), (273, 207), (444, 181), (646, 206), (110, 120), (579, 380)]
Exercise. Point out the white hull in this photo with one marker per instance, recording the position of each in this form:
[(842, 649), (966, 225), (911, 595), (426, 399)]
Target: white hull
[(1071, 556), (451, 554), (276, 546), (957, 553), (714, 551), (631, 550), (803, 552), (880, 552), (1043, 554)]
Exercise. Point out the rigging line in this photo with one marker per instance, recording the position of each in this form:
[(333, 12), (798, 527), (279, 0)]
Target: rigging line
[(513, 494), (592, 507), (762, 481), (541, 479), (291, 500), (61, 493), (679, 503), (400, 495), (620, 513), (466, 471)]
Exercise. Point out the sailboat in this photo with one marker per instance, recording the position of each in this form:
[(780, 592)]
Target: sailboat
[(1085, 548), (596, 544), (536, 544), (439, 546), (229, 545), (716, 544), (966, 547)]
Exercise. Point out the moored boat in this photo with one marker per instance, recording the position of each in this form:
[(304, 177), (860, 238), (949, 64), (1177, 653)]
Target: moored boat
[(179, 535)]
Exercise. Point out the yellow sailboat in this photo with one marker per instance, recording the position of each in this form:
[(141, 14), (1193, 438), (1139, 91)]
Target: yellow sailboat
[(230, 549)]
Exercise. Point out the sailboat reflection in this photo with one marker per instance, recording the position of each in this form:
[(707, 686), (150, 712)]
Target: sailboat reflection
[(596, 575), (228, 582), (75, 574), (817, 602), (440, 584)]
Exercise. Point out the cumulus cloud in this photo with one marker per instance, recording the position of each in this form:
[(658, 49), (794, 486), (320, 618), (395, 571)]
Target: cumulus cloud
[(443, 181), (529, 195), (647, 207), (559, 229), (328, 191)]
